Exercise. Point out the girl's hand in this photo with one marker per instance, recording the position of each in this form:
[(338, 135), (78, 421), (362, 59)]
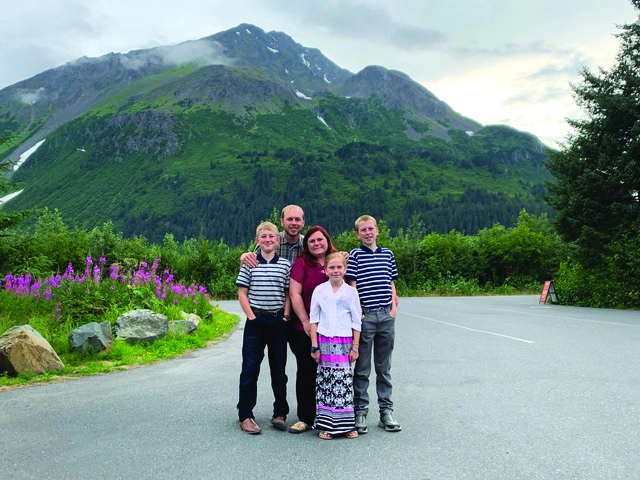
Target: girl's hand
[(353, 355), (316, 356)]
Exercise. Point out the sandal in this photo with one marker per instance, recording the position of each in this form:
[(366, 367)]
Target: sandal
[(352, 434), (299, 427), (325, 435)]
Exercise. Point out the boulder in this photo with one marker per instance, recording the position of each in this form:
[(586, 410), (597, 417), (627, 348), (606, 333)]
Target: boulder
[(183, 327), (23, 349), (191, 317), (141, 326), (91, 338)]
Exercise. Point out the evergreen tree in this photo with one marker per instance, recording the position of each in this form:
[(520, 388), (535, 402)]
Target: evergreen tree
[(597, 171)]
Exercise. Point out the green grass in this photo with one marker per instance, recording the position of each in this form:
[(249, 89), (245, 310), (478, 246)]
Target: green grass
[(121, 355)]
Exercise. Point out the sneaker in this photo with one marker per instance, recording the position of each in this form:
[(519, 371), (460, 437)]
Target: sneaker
[(361, 423), (389, 423)]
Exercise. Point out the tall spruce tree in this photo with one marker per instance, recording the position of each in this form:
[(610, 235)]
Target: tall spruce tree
[(597, 171)]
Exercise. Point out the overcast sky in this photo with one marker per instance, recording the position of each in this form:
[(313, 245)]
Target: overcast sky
[(495, 61)]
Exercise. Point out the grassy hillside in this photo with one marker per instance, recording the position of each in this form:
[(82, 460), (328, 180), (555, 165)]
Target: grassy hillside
[(154, 164)]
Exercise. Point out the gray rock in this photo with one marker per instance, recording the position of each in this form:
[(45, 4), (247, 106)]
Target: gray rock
[(23, 349), (183, 327), (141, 326), (91, 338), (191, 317)]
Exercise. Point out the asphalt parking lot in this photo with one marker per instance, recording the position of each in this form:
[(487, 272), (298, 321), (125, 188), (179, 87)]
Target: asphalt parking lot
[(485, 388)]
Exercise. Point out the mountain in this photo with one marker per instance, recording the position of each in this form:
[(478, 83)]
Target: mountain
[(209, 136)]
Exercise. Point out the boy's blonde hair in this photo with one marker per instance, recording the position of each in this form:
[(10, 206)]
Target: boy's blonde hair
[(266, 226), (332, 256), (365, 218)]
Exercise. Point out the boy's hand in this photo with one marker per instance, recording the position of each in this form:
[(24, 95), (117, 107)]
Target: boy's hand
[(249, 259), (316, 356)]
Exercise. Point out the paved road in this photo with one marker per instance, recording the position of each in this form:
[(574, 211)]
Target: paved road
[(485, 387)]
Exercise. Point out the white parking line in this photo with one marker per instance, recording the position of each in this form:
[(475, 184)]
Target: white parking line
[(468, 328), (556, 316)]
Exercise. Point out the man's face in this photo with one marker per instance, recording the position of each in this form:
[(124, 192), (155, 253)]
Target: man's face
[(292, 221), (367, 232)]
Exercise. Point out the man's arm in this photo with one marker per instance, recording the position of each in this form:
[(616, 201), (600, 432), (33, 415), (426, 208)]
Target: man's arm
[(250, 259), (243, 298)]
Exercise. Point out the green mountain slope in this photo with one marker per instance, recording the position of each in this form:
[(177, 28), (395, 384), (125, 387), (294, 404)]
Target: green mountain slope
[(211, 149)]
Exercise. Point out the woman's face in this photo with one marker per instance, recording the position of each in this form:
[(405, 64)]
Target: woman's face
[(317, 244)]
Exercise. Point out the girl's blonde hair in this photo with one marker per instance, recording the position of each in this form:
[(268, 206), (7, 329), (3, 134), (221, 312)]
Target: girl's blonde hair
[(331, 256)]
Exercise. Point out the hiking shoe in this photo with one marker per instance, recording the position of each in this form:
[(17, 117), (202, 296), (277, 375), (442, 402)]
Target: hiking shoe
[(279, 423), (389, 423), (361, 423)]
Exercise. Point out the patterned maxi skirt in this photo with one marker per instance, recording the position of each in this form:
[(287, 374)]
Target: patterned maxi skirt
[(334, 386)]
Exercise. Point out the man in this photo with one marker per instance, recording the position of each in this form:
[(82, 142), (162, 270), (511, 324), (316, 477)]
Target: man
[(290, 247)]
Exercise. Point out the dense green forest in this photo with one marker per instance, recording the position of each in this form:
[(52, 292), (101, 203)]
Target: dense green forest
[(499, 259)]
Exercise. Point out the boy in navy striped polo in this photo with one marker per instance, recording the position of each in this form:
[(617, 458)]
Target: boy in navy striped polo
[(263, 293), (372, 270)]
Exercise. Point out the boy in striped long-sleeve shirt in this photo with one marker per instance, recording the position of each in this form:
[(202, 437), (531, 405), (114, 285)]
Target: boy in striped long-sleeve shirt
[(372, 270), (263, 293)]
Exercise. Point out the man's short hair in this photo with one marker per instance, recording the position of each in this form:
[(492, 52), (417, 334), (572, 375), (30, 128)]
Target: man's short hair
[(282, 214), (365, 218), (266, 226)]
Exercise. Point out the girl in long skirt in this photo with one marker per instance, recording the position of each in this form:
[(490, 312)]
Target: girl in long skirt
[(336, 320)]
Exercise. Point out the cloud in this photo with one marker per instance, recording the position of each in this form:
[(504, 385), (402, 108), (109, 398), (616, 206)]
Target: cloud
[(203, 52), (29, 97), (511, 50), (364, 21)]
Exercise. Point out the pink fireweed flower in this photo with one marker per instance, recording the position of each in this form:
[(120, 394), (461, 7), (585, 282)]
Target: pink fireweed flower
[(102, 260), (114, 271), (47, 294), (96, 274), (68, 273)]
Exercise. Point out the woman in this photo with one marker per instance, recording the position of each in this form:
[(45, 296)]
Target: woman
[(307, 273)]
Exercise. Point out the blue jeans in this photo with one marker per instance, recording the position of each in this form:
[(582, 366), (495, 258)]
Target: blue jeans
[(377, 339), (271, 332)]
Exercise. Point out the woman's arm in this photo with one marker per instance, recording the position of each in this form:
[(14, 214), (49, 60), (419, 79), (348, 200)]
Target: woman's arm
[(295, 293)]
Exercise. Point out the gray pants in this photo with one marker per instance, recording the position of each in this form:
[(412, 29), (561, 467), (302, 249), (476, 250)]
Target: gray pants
[(378, 335)]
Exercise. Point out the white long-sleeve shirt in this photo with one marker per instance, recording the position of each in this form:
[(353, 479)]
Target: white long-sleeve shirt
[(337, 314)]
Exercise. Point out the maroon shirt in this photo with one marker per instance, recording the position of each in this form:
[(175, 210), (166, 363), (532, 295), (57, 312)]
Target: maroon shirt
[(309, 276)]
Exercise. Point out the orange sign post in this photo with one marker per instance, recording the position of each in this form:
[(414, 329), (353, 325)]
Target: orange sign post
[(548, 292)]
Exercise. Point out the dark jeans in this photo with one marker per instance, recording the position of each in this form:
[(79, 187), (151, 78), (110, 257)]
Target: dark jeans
[(271, 332), (300, 345)]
